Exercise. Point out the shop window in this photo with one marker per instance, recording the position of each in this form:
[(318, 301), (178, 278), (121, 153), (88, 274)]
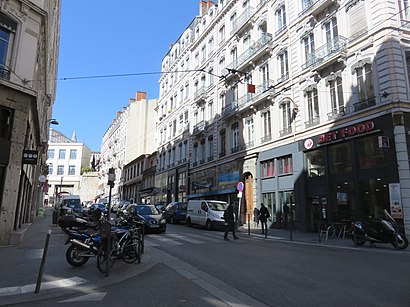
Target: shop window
[(268, 168), (287, 203), (369, 153), (340, 158), (375, 197), (316, 163), (6, 116), (269, 201), (285, 165)]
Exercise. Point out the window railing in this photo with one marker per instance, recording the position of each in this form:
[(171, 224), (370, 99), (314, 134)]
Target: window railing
[(261, 3), (313, 121), (4, 72), (266, 138), (285, 131), (235, 149), (199, 127), (320, 55), (249, 144), (308, 5), (364, 104), (243, 19), (211, 158), (336, 113), (284, 77), (265, 39), (222, 154), (281, 29), (200, 92)]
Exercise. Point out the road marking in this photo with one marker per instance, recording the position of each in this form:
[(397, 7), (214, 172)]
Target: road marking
[(167, 240), (92, 297), (184, 238), (60, 283), (33, 253)]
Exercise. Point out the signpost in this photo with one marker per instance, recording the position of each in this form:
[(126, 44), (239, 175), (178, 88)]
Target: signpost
[(239, 187)]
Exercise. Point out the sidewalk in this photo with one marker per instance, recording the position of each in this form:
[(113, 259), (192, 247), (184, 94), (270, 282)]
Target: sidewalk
[(312, 238), (21, 264)]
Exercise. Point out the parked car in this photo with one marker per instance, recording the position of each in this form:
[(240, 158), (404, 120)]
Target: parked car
[(154, 221), (175, 212), (68, 204)]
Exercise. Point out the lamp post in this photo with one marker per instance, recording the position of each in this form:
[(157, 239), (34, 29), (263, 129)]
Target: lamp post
[(61, 183)]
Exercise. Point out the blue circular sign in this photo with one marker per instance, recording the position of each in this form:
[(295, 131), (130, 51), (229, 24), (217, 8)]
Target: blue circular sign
[(240, 186)]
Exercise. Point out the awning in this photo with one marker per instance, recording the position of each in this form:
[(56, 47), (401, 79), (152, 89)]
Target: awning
[(209, 193)]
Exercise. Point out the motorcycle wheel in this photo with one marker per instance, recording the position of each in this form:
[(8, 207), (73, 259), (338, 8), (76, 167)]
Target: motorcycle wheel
[(359, 241), (401, 242), (73, 258), (102, 258)]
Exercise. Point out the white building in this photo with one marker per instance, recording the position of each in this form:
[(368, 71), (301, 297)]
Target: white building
[(130, 135), (306, 102), (28, 69), (65, 159)]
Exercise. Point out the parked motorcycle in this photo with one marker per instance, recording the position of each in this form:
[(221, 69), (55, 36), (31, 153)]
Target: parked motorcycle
[(83, 246), (387, 230)]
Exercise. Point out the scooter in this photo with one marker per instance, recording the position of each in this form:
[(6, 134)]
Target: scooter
[(387, 230)]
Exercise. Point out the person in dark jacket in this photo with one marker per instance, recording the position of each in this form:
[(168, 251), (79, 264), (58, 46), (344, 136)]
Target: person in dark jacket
[(229, 218), (263, 217)]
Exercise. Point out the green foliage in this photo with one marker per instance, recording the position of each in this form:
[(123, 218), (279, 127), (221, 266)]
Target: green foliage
[(86, 169)]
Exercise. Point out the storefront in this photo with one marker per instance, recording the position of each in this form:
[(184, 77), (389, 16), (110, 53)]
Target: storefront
[(350, 172)]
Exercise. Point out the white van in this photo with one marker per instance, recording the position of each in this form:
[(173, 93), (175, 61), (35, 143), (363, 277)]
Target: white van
[(208, 213)]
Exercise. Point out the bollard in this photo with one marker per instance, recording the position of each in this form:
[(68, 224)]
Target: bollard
[(249, 223), (43, 261)]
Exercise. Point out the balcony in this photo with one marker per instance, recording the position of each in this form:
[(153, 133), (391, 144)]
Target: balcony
[(336, 113), (266, 138), (261, 3), (285, 131), (313, 121), (327, 54), (200, 94), (364, 104), (315, 7), (242, 20), (199, 127), (254, 51), (229, 109)]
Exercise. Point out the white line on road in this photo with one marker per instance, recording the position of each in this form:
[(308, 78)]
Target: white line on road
[(92, 297)]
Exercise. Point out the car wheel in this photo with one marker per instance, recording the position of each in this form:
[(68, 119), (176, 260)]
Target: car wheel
[(208, 225)]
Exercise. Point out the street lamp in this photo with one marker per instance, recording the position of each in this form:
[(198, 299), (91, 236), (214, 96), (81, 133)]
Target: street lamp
[(61, 183)]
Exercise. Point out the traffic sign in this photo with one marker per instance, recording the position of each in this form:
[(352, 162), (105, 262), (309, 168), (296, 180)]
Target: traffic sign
[(240, 186)]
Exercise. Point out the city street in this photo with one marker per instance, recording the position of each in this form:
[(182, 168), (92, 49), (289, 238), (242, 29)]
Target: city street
[(192, 266)]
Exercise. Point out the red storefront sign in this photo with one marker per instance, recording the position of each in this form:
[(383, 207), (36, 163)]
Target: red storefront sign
[(346, 132)]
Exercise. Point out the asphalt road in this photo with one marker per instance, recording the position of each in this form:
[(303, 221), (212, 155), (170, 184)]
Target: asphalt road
[(195, 267)]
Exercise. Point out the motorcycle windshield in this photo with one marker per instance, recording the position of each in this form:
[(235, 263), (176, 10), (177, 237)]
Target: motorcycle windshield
[(387, 216)]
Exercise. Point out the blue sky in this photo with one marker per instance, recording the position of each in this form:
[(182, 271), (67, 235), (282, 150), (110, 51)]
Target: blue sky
[(101, 37)]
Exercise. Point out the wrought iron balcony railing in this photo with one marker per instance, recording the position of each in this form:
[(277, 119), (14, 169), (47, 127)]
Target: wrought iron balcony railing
[(364, 104), (242, 20)]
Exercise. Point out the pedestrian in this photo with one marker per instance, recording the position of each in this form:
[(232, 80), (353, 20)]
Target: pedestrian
[(256, 216), (229, 218), (263, 217)]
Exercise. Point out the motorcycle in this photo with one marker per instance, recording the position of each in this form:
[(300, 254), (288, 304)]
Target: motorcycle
[(387, 230), (83, 246)]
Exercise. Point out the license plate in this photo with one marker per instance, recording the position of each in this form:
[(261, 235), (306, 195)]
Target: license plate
[(154, 226)]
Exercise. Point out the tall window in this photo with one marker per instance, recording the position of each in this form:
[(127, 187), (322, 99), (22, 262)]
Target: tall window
[(286, 118), (50, 169), (266, 126), (309, 49), (211, 45), (312, 105), (71, 169), (221, 66), (281, 18), (7, 29), (222, 143), (60, 170), (336, 94), (331, 31), (196, 153), (222, 34), (61, 154), (210, 148), (235, 137), (283, 66), (203, 54), (211, 110), (265, 74), (203, 151), (249, 131), (50, 153), (73, 154), (268, 168), (5, 123), (233, 21), (365, 82), (234, 57), (285, 165)]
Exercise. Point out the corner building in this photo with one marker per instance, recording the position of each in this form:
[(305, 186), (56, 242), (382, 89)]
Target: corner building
[(306, 102)]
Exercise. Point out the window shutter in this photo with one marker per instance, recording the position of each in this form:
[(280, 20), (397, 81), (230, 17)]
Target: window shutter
[(357, 20)]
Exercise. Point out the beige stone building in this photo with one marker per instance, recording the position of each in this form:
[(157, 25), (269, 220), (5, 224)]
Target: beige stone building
[(28, 68)]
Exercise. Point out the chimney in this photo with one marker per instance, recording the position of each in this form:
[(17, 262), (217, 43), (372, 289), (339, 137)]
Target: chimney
[(141, 96), (203, 7)]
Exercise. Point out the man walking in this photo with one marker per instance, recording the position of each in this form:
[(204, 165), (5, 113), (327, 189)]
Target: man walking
[(263, 217), (229, 218)]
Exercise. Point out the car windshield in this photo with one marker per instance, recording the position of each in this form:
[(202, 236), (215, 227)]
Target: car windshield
[(72, 203), (217, 206), (182, 206), (146, 210)]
